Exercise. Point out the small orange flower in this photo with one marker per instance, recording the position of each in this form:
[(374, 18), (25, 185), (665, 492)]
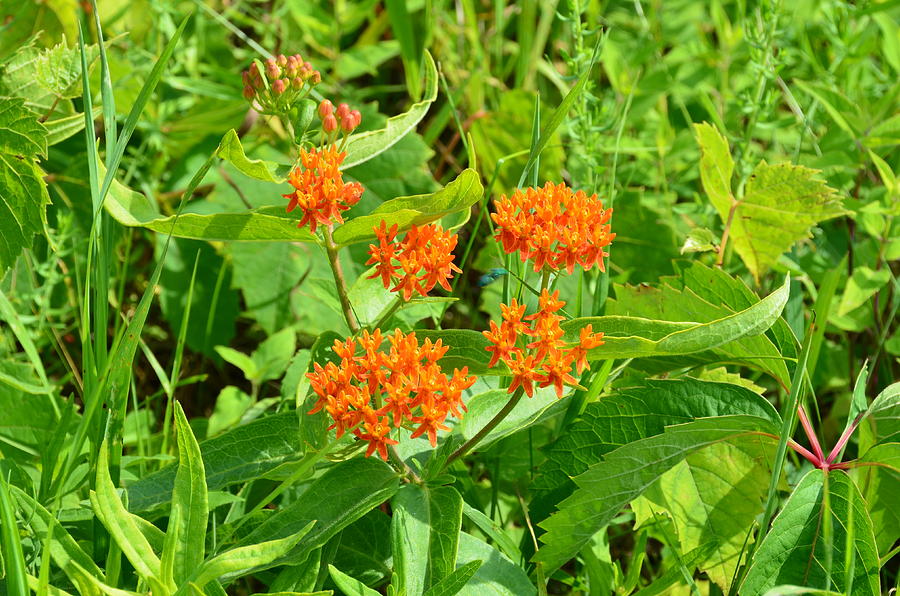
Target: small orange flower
[(319, 188), (423, 259), (554, 227), (372, 391), (544, 360)]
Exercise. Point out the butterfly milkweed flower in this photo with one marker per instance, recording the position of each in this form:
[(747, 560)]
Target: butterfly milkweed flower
[(319, 188), (282, 82), (369, 392), (554, 227), (414, 265), (533, 347)]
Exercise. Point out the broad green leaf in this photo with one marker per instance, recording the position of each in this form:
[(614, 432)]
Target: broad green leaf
[(348, 585), (631, 414), (794, 550), (862, 285), (713, 496), (244, 453), (112, 514), (66, 553), (492, 530), (484, 406), (631, 337), (186, 530), (364, 146), (231, 150), (667, 302), (624, 474), (44, 76), (716, 166), (460, 194), (881, 483), (243, 559), (364, 551), (497, 575), (343, 494), (426, 529), (23, 193), (28, 421), (884, 414)]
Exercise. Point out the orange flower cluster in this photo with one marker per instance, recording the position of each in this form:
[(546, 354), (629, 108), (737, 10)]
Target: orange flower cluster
[(545, 360), (423, 258), (320, 190), (554, 227), (370, 393)]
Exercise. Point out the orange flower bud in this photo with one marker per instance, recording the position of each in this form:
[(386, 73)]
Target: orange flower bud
[(249, 92), (343, 111), (325, 108), (279, 86), (329, 124)]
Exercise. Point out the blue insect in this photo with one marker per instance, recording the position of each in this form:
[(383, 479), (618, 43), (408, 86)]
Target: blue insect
[(491, 276)]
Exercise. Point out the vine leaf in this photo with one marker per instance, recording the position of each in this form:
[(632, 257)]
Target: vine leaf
[(780, 204), (795, 551), (23, 193)]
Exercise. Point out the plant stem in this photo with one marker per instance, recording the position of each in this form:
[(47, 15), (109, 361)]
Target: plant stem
[(332, 249), (387, 316), (468, 445)]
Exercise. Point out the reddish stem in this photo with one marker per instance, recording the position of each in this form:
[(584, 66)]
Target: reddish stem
[(805, 452), (811, 435), (844, 438)]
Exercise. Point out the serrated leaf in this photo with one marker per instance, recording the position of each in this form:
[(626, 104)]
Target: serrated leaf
[(43, 76), (794, 550), (460, 194), (713, 496), (624, 474), (23, 193), (781, 203)]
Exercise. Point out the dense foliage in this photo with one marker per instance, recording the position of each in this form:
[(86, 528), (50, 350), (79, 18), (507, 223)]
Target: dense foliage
[(435, 298)]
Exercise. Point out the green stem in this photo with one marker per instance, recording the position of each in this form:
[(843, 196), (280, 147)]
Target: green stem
[(390, 313), (468, 445), (332, 250)]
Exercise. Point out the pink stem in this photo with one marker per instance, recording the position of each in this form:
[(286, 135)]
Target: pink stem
[(804, 452), (810, 434), (844, 438)]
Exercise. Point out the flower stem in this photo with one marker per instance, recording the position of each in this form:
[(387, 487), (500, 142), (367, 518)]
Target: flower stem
[(390, 312), (332, 250), (468, 445)]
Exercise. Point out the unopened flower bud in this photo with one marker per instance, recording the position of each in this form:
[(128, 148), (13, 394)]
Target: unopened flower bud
[(249, 93), (245, 77), (357, 118), (329, 123), (272, 70), (348, 124), (325, 108), (282, 60), (297, 83), (343, 111), (279, 86), (316, 78)]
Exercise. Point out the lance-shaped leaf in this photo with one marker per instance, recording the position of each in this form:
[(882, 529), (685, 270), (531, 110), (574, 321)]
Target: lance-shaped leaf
[(23, 193), (496, 575), (460, 194), (607, 487), (881, 479), (779, 206), (795, 551)]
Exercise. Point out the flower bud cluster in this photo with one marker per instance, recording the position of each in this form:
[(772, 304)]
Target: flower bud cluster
[(342, 118), (282, 81)]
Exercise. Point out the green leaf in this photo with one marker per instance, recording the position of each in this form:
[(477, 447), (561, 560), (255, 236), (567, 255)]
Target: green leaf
[(349, 585), (862, 285), (794, 551), (112, 514), (66, 553), (630, 414), (231, 150), (882, 485), (23, 193), (240, 561), (364, 551), (496, 575), (364, 146), (629, 337), (607, 487), (716, 166), (244, 453), (426, 528), (714, 496), (42, 77), (60, 129), (11, 544), (186, 530), (238, 359), (460, 194), (343, 494), (454, 583)]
